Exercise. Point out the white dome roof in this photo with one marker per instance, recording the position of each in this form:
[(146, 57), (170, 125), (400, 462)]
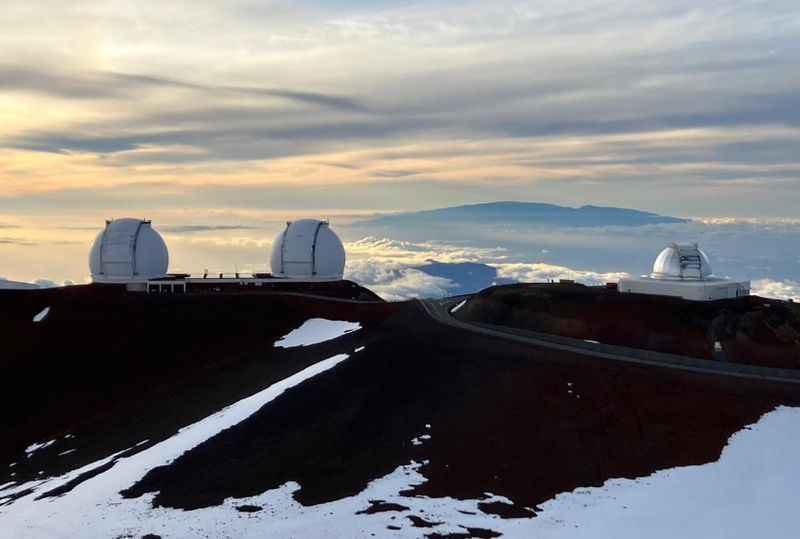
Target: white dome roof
[(128, 250), (681, 261), (308, 249)]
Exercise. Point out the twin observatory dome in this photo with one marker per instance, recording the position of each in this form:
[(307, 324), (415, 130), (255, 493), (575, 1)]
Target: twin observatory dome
[(132, 251)]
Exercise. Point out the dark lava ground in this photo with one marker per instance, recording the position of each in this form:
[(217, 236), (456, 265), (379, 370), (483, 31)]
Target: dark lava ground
[(110, 372), (513, 420), (750, 329)]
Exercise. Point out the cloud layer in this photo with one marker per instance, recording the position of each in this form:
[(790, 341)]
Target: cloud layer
[(786, 289), (395, 269), (401, 105)]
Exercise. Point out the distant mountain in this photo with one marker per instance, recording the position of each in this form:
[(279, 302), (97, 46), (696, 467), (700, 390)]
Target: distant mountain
[(527, 213), (15, 285), (467, 277), (5, 284)]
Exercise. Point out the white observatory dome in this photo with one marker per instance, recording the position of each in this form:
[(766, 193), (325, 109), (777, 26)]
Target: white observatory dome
[(128, 250), (681, 261), (308, 249)]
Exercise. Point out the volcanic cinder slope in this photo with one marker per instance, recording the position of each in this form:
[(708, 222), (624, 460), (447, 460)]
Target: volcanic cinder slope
[(750, 329), (402, 426)]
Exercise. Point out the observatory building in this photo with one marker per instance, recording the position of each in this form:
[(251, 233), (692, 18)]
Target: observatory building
[(308, 249), (128, 251), (306, 255), (683, 270)]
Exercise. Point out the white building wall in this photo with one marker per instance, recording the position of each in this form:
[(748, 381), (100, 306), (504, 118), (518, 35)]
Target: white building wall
[(707, 290)]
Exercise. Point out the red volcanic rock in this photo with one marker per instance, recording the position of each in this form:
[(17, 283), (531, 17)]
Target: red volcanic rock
[(380, 506), (750, 329), (471, 533)]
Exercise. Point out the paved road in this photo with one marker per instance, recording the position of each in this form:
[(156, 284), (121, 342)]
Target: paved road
[(439, 310)]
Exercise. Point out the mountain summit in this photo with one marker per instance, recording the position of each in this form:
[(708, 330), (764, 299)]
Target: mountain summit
[(529, 212)]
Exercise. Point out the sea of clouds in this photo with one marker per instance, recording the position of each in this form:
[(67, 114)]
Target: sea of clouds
[(392, 268)]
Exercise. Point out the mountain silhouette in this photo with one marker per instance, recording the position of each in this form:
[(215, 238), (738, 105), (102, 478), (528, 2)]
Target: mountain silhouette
[(528, 213)]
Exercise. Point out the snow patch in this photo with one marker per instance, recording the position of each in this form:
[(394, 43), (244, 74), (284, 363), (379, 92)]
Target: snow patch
[(316, 330), (42, 315), (749, 492), (97, 501), (35, 485), (457, 307), (419, 440), (33, 448)]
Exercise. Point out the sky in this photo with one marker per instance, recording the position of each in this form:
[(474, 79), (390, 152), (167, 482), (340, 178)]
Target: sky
[(246, 113)]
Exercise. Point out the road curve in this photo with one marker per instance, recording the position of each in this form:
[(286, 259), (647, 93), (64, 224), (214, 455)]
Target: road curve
[(439, 310)]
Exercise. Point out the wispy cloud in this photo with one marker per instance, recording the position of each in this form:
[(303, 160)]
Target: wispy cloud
[(16, 241), (194, 229), (129, 87), (405, 104)]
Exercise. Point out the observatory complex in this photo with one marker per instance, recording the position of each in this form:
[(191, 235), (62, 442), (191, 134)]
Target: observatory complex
[(683, 270), (307, 254)]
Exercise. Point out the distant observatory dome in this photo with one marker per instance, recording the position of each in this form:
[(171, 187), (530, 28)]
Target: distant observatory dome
[(308, 249), (128, 250), (681, 261)]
